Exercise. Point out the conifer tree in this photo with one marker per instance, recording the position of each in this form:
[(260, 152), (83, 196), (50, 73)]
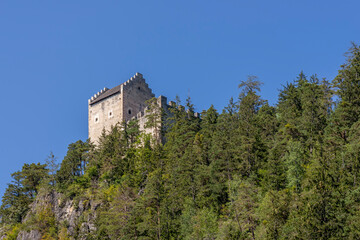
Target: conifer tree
[(347, 109), (250, 146), (15, 201), (74, 164)]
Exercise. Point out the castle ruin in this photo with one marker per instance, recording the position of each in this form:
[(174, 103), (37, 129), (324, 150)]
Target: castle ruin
[(121, 104)]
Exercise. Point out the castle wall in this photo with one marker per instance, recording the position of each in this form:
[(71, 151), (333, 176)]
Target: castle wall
[(135, 93), (121, 103), (125, 102), (104, 114), (142, 119)]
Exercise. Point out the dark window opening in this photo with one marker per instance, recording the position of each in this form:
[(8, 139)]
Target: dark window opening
[(139, 88), (129, 111)]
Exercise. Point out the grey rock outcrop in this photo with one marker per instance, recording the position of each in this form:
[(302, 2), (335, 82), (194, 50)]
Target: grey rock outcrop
[(2, 233), (32, 235), (77, 216)]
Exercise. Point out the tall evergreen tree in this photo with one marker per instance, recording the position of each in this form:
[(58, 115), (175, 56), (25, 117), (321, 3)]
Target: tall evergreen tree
[(251, 149)]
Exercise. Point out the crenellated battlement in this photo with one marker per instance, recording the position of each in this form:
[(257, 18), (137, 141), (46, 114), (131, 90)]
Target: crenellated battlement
[(125, 102), (121, 103), (104, 93), (96, 95), (136, 77), (161, 101)]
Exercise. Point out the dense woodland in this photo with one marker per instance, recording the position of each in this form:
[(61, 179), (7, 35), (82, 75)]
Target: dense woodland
[(252, 171)]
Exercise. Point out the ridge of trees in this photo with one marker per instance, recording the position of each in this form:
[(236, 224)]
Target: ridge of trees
[(253, 171)]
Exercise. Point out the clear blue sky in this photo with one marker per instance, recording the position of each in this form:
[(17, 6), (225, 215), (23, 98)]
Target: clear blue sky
[(54, 55)]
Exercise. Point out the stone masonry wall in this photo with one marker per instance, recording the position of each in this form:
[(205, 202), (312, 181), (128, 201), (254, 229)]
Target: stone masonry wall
[(104, 114), (135, 93), (119, 107), (123, 103), (142, 115)]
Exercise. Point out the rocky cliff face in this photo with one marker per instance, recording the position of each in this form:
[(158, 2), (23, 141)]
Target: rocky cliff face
[(76, 218), (33, 234), (2, 234)]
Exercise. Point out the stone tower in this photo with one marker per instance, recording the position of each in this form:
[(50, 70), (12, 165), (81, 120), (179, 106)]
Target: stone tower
[(121, 103)]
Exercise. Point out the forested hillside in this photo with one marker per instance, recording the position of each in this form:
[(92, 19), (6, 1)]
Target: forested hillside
[(251, 171)]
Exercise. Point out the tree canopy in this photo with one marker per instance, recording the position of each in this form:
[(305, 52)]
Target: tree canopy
[(251, 171)]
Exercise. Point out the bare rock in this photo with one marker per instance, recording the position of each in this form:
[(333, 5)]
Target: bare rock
[(78, 216), (32, 235)]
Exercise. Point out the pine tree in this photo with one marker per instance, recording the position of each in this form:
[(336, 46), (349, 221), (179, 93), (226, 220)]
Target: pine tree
[(347, 111), (73, 165), (15, 201), (53, 167)]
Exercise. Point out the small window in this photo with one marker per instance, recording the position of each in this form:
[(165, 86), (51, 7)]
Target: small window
[(129, 111), (138, 88), (110, 115), (96, 118)]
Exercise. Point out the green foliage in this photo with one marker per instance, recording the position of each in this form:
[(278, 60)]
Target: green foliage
[(73, 165), (44, 221), (294, 159), (198, 223), (63, 234), (116, 220), (32, 175), (239, 217), (52, 166), (15, 201), (273, 213), (13, 232), (21, 192)]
